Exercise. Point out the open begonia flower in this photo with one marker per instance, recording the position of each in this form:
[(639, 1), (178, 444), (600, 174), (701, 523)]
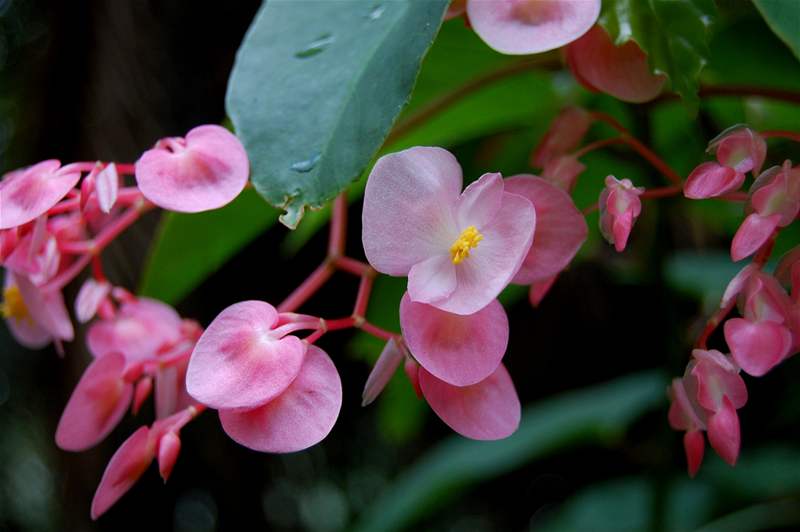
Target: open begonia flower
[(31, 313), (27, 194), (203, 171), (531, 26), (460, 350), (389, 360), (21, 323), (560, 228), (97, 404), (565, 133), (488, 410), (139, 330), (619, 207), (299, 417), (242, 360), (621, 71), (458, 250)]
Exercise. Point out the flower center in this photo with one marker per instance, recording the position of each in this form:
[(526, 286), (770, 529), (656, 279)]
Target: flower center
[(12, 305), (468, 239), (535, 11)]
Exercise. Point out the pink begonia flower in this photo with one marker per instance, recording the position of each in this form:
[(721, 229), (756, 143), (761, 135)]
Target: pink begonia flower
[(739, 150), (139, 330), (563, 172), (565, 133), (619, 207), (621, 71), (89, 298), (488, 410), (769, 329), (531, 26), (21, 323), (706, 398), (27, 194), (459, 350), (301, 416), (243, 359), (560, 228), (97, 404), (203, 171), (458, 250), (389, 360), (38, 261), (775, 202), (35, 318)]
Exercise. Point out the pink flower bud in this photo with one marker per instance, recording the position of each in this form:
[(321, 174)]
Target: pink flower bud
[(385, 367), (89, 298), (740, 148), (694, 444), (143, 389), (107, 186), (723, 432), (619, 207), (169, 447)]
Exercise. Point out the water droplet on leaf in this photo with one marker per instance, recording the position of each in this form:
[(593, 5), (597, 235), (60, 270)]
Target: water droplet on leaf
[(307, 165), (376, 12), (316, 46)]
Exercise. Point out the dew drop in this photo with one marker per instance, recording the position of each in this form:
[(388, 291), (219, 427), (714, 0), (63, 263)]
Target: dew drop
[(376, 12), (316, 46), (307, 165)]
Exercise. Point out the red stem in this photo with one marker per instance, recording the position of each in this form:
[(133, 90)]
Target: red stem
[(338, 226), (362, 299), (596, 145), (791, 135), (349, 265)]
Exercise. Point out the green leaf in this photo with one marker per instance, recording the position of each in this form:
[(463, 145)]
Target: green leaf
[(316, 88), (673, 33), (597, 414), (783, 17), (189, 247)]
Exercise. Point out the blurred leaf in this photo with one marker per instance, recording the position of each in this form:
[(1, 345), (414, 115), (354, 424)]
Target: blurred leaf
[(767, 516), (703, 276), (783, 16), (316, 88), (759, 474), (188, 248), (597, 414), (673, 33)]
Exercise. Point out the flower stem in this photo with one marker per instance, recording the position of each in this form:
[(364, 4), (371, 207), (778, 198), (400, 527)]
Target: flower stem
[(791, 135)]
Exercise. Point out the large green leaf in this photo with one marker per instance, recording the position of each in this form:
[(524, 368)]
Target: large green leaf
[(783, 16), (673, 33), (316, 87), (600, 413)]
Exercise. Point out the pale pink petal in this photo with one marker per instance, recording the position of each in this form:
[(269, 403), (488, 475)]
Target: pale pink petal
[(560, 228), (298, 418), (107, 187), (723, 432), (694, 444), (169, 447), (25, 329), (480, 201), (710, 180), (737, 284), (539, 289), (239, 362), (385, 367), (96, 406), (34, 191), (621, 229), (684, 412), (530, 27), (123, 470), (717, 377), (765, 299), (621, 71), (460, 350), (495, 260), (742, 150), (563, 171), (89, 297), (408, 208), (564, 135), (171, 395), (46, 309), (752, 234), (432, 280), (779, 196), (205, 171), (757, 347), (489, 410)]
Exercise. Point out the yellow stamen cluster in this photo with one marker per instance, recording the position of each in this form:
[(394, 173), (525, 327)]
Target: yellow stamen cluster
[(468, 239), (12, 305)]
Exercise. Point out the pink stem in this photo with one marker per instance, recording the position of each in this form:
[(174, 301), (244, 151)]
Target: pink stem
[(362, 299), (596, 145), (68, 205), (308, 288), (338, 229), (356, 267), (376, 331), (64, 278)]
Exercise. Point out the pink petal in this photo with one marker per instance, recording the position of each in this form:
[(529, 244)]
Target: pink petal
[(539, 289), (694, 444), (408, 208), (717, 377), (411, 369), (621, 229), (757, 347), (140, 393), (496, 259), (46, 309), (171, 395), (27, 331), (560, 228), (752, 234), (89, 298), (385, 367), (683, 409), (96, 406), (432, 280), (460, 350), (742, 150), (31, 193), (785, 267), (710, 180), (480, 201), (139, 330), (489, 410), (563, 172), (737, 284), (564, 135), (723, 432), (524, 27), (205, 171), (107, 186), (298, 418), (239, 363), (780, 195), (123, 470), (169, 447), (621, 71)]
